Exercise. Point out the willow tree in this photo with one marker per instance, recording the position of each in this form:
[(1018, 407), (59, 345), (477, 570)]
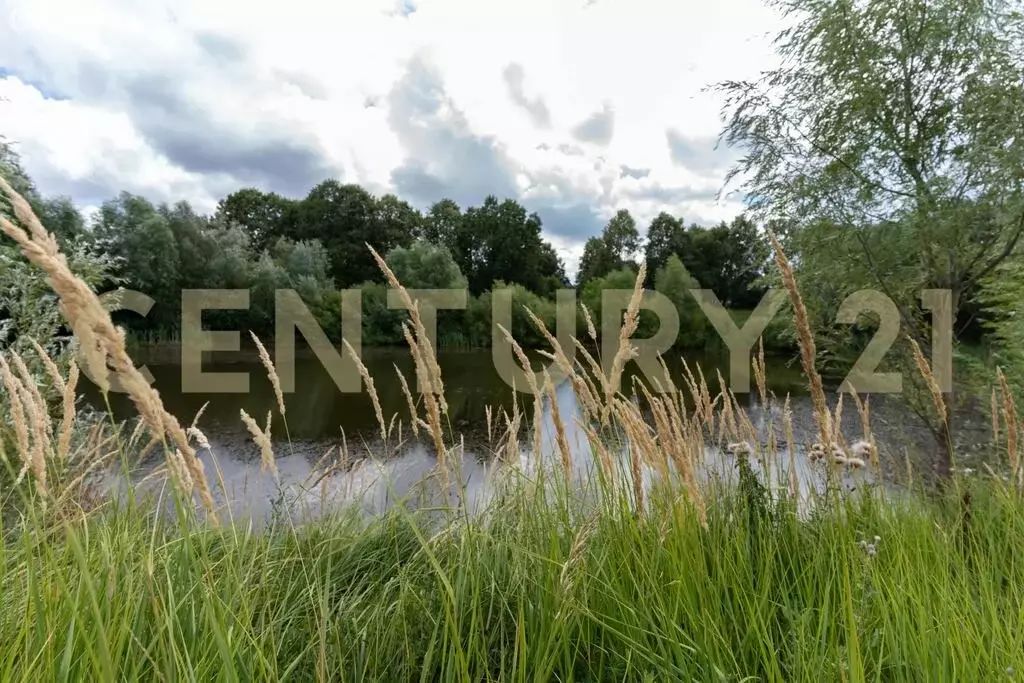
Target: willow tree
[(890, 140)]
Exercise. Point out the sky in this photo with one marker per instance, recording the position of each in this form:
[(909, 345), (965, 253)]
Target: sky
[(576, 108)]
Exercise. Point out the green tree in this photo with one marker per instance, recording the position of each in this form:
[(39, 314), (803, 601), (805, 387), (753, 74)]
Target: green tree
[(133, 230), (675, 282), (441, 224), (265, 216), (891, 138), (425, 266), (62, 218), (396, 217), (500, 241), (613, 250), (345, 218), (666, 236)]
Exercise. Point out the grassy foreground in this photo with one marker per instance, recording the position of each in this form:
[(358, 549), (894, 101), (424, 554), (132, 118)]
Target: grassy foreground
[(665, 578), (533, 595)]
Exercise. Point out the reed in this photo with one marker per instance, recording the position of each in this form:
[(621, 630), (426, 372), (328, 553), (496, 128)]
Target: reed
[(665, 575), (101, 342), (262, 438), (805, 340)]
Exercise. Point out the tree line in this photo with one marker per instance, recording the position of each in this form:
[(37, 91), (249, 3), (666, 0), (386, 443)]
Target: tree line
[(317, 245)]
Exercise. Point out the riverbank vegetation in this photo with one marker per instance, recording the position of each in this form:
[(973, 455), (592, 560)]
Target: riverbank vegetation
[(316, 245), (885, 153), (643, 569)]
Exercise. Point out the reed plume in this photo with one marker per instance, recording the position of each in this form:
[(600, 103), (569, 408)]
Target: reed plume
[(262, 439), (556, 418), (808, 351), (1010, 417), (422, 338), (101, 342), (268, 364), (626, 351), (413, 415)]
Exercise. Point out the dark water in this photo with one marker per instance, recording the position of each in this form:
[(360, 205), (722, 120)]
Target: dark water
[(317, 410), (318, 413)]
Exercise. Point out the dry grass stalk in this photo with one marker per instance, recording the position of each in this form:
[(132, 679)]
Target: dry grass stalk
[(31, 422), (1010, 417), (626, 351), (422, 373), (638, 481), (199, 437), (426, 348), (262, 439), (837, 423), (994, 407), (28, 383), (413, 415), (180, 471), (531, 381), (695, 392), (787, 426), (512, 434), (808, 352), (571, 569), (598, 373), (365, 373), (641, 445), (670, 438), (100, 340), (591, 330), (864, 410), (933, 386), (39, 423), (199, 414), (489, 417), (67, 421), (18, 421), (658, 445), (583, 389), (760, 372), (268, 364), (729, 430), (430, 400), (597, 444), (556, 418), (51, 368)]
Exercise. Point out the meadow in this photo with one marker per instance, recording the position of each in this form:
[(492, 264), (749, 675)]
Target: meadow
[(651, 567)]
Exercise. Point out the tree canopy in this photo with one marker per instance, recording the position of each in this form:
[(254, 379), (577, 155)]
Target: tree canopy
[(890, 142)]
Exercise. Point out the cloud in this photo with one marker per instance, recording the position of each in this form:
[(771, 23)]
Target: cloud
[(199, 140), (635, 173), (445, 158), (220, 47), (597, 128), (701, 154), (188, 99), (514, 76)]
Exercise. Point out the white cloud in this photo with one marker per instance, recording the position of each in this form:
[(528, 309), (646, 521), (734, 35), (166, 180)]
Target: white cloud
[(551, 100)]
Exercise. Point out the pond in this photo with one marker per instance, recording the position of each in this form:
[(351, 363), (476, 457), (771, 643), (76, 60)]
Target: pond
[(320, 417), (317, 410)]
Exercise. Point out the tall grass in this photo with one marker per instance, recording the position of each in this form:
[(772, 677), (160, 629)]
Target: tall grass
[(663, 575)]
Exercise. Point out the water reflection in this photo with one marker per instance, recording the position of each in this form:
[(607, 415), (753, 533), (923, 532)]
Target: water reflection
[(317, 409)]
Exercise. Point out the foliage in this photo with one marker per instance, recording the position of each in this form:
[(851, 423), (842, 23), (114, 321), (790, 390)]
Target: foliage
[(613, 250), (536, 594), (890, 140), (28, 307), (425, 266), (729, 259), (674, 281)]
